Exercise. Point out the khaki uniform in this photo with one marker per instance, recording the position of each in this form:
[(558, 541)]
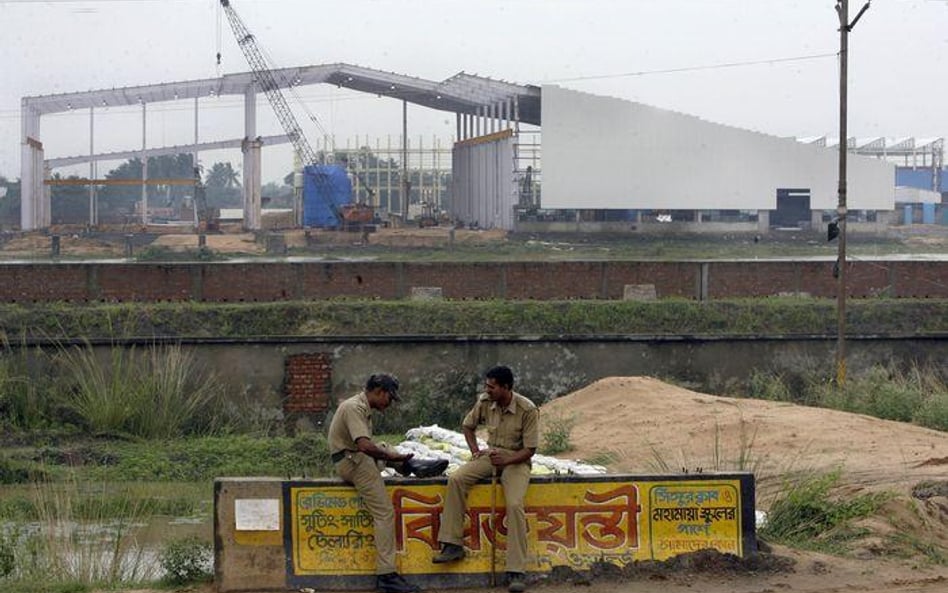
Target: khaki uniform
[(512, 428), (353, 420)]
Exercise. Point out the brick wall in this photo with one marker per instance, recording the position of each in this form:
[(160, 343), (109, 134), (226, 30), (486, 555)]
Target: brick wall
[(262, 282), (307, 386)]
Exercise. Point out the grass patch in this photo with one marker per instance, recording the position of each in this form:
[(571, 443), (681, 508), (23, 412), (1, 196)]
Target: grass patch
[(179, 499), (156, 393), (917, 394), (187, 560), (907, 545), (604, 458), (805, 515), (557, 429), (719, 458), (205, 458), (196, 459), (73, 548), (355, 317)]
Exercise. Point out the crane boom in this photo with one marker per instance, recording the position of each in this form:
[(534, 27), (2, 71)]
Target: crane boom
[(266, 81), (264, 76)]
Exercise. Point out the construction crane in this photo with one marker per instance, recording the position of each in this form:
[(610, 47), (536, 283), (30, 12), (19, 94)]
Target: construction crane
[(271, 88)]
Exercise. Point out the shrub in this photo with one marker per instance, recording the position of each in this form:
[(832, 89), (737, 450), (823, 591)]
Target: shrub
[(883, 392), (7, 552), (156, 394), (557, 429), (25, 402), (185, 561), (17, 472), (443, 401), (804, 514), (767, 385), (933, 412)]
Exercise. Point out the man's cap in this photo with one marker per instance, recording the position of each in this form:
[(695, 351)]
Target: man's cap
[(386, 382)]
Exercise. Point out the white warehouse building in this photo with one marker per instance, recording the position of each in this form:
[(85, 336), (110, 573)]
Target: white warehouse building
[(605, 153), (601, 163)]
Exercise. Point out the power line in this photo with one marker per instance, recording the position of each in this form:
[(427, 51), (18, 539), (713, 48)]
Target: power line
[(697, 68), (578, 78), (86, 1)]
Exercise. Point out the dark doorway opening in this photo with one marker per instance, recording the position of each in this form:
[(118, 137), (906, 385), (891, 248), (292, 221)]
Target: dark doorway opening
[(793, 208)]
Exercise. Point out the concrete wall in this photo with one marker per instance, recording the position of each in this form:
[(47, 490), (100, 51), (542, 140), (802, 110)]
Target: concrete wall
[(26, 282), (546, 366)]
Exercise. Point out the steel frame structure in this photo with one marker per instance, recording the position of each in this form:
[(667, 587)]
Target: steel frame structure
[(481, 105)]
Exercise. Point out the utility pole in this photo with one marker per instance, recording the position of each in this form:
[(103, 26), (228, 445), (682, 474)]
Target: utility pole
[(406, 182), (842, 9)]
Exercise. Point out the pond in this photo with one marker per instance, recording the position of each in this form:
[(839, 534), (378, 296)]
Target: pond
[(61, 532)]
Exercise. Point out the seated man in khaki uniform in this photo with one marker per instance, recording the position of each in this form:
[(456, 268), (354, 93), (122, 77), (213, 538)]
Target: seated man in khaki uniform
[(359, 460), (512, 438)]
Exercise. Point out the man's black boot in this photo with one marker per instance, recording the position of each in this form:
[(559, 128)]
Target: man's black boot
[(394, 583), (516, 583), (449, 553), (424, 468)]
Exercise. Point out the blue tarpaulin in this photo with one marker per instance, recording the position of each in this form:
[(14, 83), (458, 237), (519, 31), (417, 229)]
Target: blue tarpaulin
[(922, 178), (324, 185)]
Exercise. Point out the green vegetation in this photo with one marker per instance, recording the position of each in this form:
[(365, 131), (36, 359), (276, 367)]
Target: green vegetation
[(918, 395), (719, 459), (73, 548), (805, 514), (186, 560), (556, 434), (121, 434), (158, 393), (775, 316), (180, 460)]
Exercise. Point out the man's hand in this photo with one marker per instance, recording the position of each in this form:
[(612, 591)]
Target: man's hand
[(498, 458)]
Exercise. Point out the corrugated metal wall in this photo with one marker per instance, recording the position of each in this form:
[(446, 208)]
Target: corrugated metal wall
[(484, 188)]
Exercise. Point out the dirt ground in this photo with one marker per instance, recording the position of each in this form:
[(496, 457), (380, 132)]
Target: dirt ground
[(231, 240), (643, 425)]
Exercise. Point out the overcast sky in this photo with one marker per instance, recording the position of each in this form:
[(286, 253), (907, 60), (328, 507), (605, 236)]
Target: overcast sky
[(764, 65)]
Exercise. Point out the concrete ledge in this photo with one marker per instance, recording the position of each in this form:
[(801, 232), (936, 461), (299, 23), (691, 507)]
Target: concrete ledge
[(273, 534), (639, 292), (426, 293)]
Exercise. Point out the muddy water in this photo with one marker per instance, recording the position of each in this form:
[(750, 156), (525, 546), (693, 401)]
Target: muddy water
[(86, 549)]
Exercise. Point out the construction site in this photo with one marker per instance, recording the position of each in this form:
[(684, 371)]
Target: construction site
[(662, 284), (505, 167)]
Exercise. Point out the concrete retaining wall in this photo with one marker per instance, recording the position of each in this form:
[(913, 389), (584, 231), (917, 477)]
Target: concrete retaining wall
[(551, 367)]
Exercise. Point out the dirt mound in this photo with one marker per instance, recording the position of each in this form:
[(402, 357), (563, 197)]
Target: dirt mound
[(643, 425), (41, 245), (224, 243)]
